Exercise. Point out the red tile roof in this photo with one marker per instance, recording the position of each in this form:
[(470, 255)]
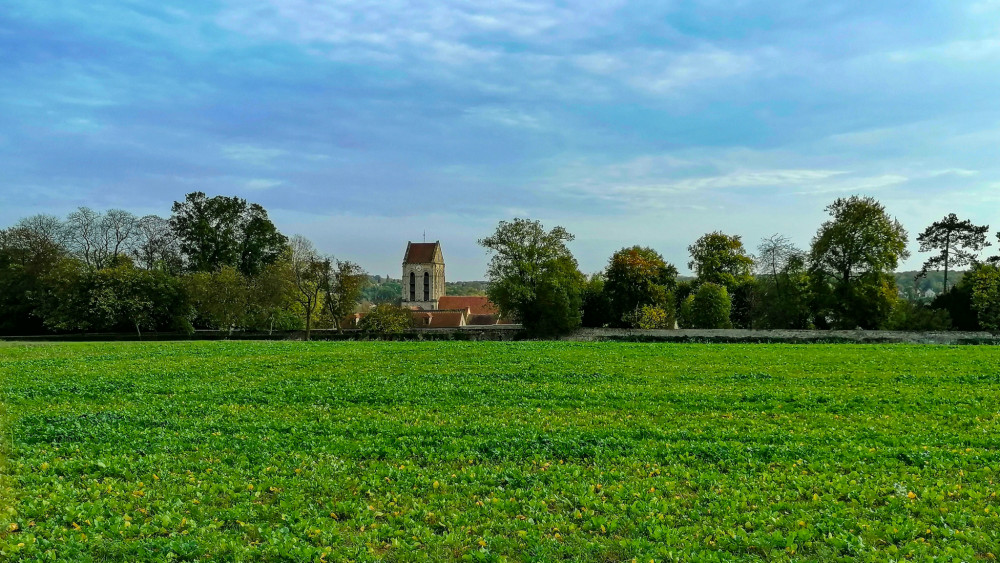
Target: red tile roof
[(420, 252), (476, 304), (482, 320), (438, 319)]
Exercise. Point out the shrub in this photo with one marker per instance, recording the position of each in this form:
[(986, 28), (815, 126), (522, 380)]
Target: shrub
[(907, 315), (386, 318), (709, 307), (649, 317)]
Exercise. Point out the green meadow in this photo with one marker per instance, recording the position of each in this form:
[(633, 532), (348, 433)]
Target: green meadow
[(540, 451)]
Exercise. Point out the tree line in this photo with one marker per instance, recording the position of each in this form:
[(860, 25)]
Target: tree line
[(844, 280), (215, 263), (220, 263)]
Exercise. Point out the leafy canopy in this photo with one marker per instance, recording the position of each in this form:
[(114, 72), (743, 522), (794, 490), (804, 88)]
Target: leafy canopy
[(957, 243), (533, 276), (721, 259), (636, 277), (225, 231)]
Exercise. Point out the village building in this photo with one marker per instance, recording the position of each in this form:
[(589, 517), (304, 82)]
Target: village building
[(424, 294), (423, 275)]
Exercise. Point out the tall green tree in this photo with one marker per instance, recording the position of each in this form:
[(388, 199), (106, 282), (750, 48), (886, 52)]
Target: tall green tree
[(344, 281), (220, 298), (533, 276), (597, 310), (985, 281), (225, 231), (636, 277), (720, 258), (852, 259), (272, 303), (957, 243), (708, 307), (309, 270), (30, 252), (782, 285)]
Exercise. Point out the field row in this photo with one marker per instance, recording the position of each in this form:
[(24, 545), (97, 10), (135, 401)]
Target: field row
[(499, 451)]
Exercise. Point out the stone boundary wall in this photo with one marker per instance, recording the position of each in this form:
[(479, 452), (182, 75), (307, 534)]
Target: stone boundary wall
[(514, 332), (787, 336)]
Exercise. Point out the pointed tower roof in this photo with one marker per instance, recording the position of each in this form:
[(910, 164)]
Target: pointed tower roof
[(423, 253)]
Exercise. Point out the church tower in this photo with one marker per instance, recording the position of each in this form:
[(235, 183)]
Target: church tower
[(423, 275)]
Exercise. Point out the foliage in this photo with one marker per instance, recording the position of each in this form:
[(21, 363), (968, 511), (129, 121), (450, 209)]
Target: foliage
[(291, 451), (907, 315), (958, 243), (650, 317), (112, 299), (852, 259), (271, 300), (342, 288), (957, 302), (721, 259), (156, 247), (466, 288), (225, 231), (636, 277), (382, 292), (309, 276), (708, 307), (29, 252), (597, 310), (533, 277), (386, 318), (985, 281), (925, 287), (220, 299), (782, 300)]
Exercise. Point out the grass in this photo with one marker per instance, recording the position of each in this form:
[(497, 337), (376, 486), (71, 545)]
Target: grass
[(257, 451)]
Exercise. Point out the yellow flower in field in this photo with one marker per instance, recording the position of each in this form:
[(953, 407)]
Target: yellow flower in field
[(249, 487), (45, 466), (436, 484), (156, 477), (911, 495), (13, 527), (481, 543), (802, 523)]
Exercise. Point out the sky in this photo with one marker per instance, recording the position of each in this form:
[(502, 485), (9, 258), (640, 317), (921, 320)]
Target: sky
[(363, 124)]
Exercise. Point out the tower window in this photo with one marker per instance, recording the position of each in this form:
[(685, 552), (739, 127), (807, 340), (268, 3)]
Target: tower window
[(427, 286), (413, 286)]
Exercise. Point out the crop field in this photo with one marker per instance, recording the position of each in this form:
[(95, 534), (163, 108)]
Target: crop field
[(291, 451)]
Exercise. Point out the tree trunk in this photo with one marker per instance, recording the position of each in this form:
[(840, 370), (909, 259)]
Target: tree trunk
[(137, 331), (947, 254), (308, 323)]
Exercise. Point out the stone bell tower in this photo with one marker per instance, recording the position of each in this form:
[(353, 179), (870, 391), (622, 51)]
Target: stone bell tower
[(423, 275)]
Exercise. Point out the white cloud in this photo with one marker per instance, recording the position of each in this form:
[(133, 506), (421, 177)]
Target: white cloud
[(252, 154), (506, 117), (261, 184)]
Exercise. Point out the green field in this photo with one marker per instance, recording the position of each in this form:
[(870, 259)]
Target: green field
[(298, 451)]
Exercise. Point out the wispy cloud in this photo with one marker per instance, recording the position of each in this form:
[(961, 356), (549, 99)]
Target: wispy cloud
[(617, 117)]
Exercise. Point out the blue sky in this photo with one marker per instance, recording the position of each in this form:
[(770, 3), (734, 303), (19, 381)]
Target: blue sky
[(362, 124)]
